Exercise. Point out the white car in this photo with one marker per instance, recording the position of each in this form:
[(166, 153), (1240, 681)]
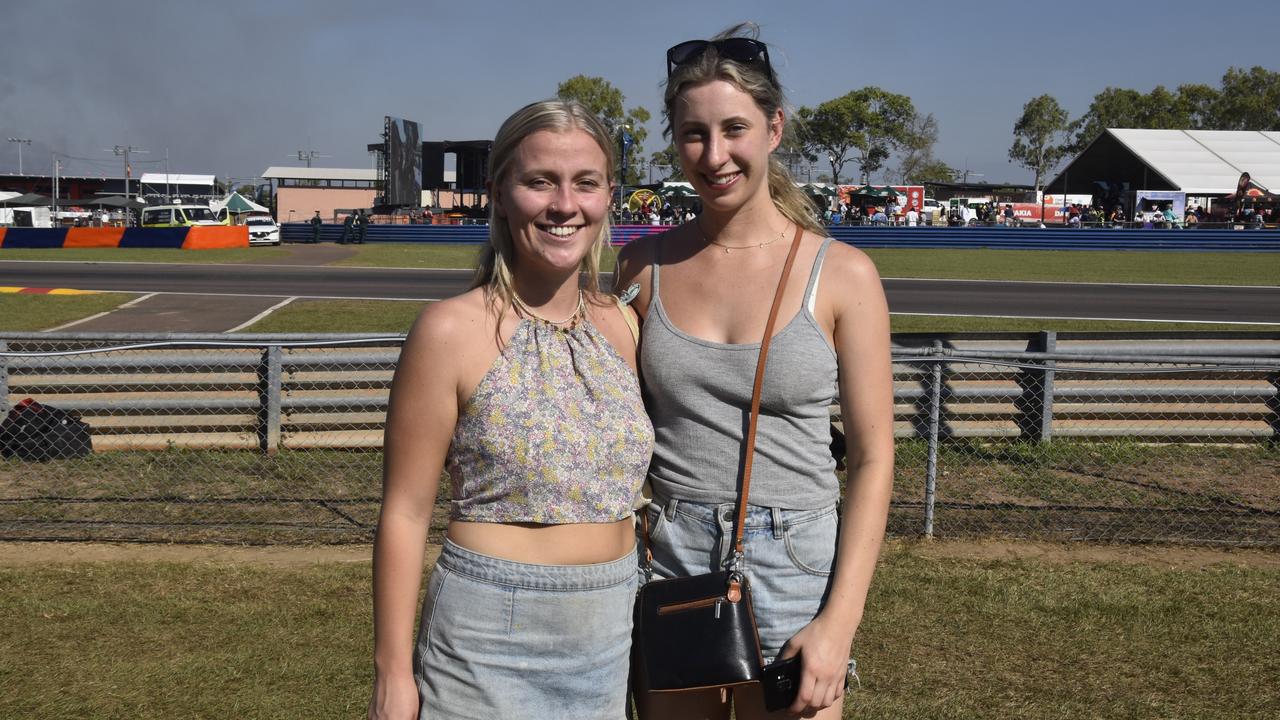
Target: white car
[(263, 230)]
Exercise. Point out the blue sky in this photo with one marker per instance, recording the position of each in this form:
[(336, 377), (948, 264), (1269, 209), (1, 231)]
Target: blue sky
[(231, 88)]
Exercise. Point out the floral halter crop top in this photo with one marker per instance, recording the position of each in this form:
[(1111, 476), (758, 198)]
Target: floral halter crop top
[(555, 433)]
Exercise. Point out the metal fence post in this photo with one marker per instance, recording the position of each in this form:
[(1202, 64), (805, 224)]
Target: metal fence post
[(269, 383), (1273, 404), (931, 465), (1035, 416), (4, 375)]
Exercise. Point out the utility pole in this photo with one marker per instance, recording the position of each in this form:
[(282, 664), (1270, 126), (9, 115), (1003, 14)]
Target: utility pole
[(124, 150), (56, 168), (20, 142)]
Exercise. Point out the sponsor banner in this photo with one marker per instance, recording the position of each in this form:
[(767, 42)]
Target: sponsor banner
[(914, 196)]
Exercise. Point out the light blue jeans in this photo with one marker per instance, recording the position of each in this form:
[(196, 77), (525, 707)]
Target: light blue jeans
[(502, 639), (788, 557)]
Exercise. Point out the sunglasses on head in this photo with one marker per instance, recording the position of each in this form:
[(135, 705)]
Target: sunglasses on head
[(744, 51)]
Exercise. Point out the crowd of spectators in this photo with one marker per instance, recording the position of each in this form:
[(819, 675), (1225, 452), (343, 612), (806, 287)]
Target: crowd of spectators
[(647, 214)]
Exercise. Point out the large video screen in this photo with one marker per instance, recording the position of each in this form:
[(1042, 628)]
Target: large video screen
[(404, 162)]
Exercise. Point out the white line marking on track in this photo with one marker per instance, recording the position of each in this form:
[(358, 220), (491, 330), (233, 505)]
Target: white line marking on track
[(262, 314), (95, 316)]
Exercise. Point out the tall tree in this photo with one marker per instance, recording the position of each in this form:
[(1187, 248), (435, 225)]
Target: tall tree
[(607, 102), (1037, 136), (669, 160), (1248, 100), (1190, 106), (932, 171), (1197, 103), (866, 123), (917, 151)]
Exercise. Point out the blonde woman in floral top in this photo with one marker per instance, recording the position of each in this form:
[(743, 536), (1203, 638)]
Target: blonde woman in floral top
[(524, 389)]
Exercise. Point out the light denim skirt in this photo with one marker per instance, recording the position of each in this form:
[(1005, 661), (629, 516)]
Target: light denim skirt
[(503, 639), (789, 555)]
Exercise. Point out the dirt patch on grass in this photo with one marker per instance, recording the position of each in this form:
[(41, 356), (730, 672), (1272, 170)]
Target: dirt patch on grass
[(18, 554)]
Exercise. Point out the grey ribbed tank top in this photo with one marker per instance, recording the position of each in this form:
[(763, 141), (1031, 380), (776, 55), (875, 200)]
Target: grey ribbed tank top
[(698, 394)]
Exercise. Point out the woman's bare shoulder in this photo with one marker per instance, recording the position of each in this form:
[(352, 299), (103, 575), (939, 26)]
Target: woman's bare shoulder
[(448, 323), (850, 264)]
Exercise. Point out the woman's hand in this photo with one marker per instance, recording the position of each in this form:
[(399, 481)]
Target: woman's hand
[(824, 663), (395, 697)]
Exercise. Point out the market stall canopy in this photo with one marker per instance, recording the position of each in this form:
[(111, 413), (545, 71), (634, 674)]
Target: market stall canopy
[(676, 190), (821, 189), (237, 204), (29, 199), (871, 191), (113, 201)]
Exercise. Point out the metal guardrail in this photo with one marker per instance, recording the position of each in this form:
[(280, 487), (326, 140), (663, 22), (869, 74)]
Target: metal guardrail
[(1117, 437)]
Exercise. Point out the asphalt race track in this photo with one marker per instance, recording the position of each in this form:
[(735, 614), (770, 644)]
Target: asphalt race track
[(944, 297)]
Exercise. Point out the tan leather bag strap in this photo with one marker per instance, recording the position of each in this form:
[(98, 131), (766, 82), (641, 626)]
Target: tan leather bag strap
[(745, 490)]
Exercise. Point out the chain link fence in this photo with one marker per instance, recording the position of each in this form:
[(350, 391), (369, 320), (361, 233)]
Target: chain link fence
[(277, 439)]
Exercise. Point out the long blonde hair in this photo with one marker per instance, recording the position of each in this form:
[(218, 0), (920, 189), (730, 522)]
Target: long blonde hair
[(497, 261), (768, 96)]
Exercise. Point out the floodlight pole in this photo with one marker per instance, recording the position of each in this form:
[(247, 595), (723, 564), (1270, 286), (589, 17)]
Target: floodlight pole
[(20, 142)]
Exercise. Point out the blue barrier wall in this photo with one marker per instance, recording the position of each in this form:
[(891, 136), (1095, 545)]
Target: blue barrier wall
[(1198, 240)]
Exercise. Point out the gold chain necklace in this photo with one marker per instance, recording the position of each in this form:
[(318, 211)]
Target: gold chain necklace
[(524, 309), (727, 248)]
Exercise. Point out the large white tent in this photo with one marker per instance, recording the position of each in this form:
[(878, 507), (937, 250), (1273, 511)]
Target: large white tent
[(1195, 162)]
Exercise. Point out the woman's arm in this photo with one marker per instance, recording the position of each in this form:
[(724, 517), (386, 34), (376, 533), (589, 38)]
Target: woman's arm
[(634, 268), (420, 422), (861, 337)]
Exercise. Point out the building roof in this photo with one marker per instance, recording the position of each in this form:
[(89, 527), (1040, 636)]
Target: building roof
[(177, 179), (316, 173), (1204, 161)]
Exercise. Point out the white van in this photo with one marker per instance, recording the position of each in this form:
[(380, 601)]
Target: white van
[(181, 216)]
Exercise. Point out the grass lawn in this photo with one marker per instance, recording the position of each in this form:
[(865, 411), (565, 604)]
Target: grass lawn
[(22, 313), (1082, 266), (164, 255), (393, 316), (1064, 266), (941, 638), (944, 324), (340, 316)]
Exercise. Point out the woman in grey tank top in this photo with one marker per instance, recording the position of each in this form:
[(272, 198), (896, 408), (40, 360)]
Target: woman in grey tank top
[(704, 292)]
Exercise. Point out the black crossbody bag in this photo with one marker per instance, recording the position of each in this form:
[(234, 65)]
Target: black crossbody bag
[(699, 632)]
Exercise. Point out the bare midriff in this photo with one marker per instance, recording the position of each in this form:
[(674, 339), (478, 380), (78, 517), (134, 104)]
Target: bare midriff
[(570, 544)]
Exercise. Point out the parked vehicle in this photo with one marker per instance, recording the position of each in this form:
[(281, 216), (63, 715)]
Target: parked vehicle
[(262, 230), (181, 216)]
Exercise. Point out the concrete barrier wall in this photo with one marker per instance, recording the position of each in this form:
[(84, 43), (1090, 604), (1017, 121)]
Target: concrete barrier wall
[(1198, 240), (192, 238)]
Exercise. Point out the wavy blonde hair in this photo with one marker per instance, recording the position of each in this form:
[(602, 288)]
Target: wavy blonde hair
[(768, 96), (497, 261)]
